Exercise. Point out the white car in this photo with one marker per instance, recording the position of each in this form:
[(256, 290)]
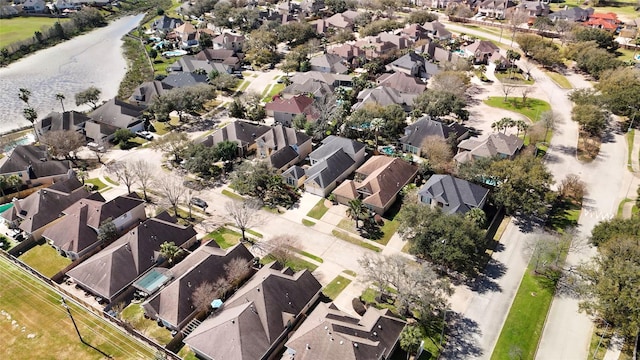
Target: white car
[(145, 135)]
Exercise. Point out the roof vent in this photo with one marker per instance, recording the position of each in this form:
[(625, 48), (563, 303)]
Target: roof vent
[(375, 333), (379, 326), (355, 345), (341, 342)]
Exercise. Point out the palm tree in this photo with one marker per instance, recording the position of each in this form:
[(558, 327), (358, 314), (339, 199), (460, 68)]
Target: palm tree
[(376, 124), (522, 126), (7, 182), (170, 251), (61, 97), (355, 211), (28, 112)]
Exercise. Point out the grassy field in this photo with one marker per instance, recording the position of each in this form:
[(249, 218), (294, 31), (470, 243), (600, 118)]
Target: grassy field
[(45, 259), (42, 328), (513, 78), (523, 327), (335, 287), (318, 210), (532, 110), (134, 315), (16, 29)]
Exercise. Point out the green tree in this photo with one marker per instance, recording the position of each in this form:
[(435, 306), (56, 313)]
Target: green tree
[(107, 232), (261, 182), (295, 33), (260, 48), (339, 6), (614, 228), (440, 103), (122, 136), (421, 17), (170, 251), (411, 337), (610, 286), (620, 89), (172, 143), (226, 150), (224, 81), (356, 211), (603, 38), (590, 117), (236, 109), (28, 112), (184, 99), (8, 182), (478, 216), (90, 95), (153, 54)]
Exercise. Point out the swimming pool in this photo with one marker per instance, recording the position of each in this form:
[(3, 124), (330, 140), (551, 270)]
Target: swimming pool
[(174, 53), (153, 280), (5, 207)]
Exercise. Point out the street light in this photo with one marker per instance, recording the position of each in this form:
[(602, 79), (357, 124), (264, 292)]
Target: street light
[(64, 304)]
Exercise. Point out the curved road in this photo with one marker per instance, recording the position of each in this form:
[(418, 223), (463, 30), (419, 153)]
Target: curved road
[(567, 332)]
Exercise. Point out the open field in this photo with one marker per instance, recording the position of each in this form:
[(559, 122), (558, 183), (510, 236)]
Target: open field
[(20, 28), (33, 322)]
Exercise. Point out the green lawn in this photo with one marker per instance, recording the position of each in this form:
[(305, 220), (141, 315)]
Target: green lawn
[(388, 229), (350, 272), (318, 210), (21, 28), (513, 78), (630, 138), (559, 79), (254, 233), (111, 180), (532, 110), (523, 327), (134, 315), (97, 183), (335, 287), (296, 264), (45, 259), (187, 354), (161, 127), (563, 216), (306, 222), (224, 237), (275, 90), (309, 255), (48, 332), (342, 236), (232, 195)]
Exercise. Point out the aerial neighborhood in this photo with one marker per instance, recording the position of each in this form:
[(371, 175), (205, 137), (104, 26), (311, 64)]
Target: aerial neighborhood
[(328, 179)]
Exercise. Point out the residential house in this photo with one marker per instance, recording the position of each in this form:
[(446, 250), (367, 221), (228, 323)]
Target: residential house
[(39, 210), (342, 21), (331, 163), (54, 121), (62, 5), (533, 8), (113, 115), (227, 57), (173, 305), (334, 80), (605, 21), (243, 133), (436, 30), (191, 64), (76, 233), (294, 176), (377, 182), (495, 145), (415, 32), (373, 47), (33, 6), (166, 24), (33, 165), (257, 318), (347, 51), (186, 35), (574, 14), (329, 63), (384, 96), (481, 51), (415, 65), (495, 8), (312, 87), (229, 41), (9, 11), (183, 79), (112, 270), (284, 146), (452, 195), (284, 110), (499, 61), (328, 333), (416, 134), (399, 42), (145, 94), (311, 7), (402, 82)]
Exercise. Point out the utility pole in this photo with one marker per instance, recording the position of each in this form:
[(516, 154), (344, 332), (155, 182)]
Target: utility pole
[(64, 304)]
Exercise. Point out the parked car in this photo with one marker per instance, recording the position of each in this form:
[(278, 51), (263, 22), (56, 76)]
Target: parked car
[(145, 135), (199, 203), (95, 147)]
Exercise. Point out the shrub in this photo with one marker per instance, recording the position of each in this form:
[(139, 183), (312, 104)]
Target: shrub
[(358, 306)]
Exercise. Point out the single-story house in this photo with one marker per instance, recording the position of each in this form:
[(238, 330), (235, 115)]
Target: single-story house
[(495, 145), (334, 80), (255, 321), (377, 182), (312, 87), (452, 195)]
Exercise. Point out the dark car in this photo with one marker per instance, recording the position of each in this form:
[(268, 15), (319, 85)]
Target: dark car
[(199, 202)]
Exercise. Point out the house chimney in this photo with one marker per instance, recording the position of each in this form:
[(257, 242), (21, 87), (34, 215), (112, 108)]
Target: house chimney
[(16, 205)]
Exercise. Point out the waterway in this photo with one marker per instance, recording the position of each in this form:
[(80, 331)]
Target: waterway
[(92, 59)]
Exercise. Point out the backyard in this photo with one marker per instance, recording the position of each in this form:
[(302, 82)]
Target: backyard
[(134, 315), (33, 322), (45, 260)]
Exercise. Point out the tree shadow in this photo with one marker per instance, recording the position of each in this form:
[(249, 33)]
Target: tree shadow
[(527, 224), (485, 282), (461, 338)]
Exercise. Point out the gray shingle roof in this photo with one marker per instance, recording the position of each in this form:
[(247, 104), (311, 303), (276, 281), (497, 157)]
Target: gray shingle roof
[(36, 157), (117, 113), (329, 169), (494, 145), (183, 79), (242, 132), (61, 121), (332, 143), (425, 127), (457, 195)]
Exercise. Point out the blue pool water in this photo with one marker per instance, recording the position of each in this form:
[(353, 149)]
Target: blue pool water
[(152, 281), (173, 53)]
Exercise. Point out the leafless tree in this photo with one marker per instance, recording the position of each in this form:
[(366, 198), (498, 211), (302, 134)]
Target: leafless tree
[(188, 195), (144, 173), (548, 118), (281, 247), (171, 191), (525, 91), (100, 150), (61, 143), (573, 187), (439, 154), (516, 18), (203, 295), (456, 82), (506, 90), (527, 67), (124, 172), (237, 269), (244, 214)]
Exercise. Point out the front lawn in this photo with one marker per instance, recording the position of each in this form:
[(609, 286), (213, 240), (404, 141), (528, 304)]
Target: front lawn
[(97, 183), (295, 263), (532, 110), (318, 210), (224, 237), (564, 215), (306, 222), (134, 315), (45, 259), (36, 326), (524, 324), (267, 95), (335, 287)]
